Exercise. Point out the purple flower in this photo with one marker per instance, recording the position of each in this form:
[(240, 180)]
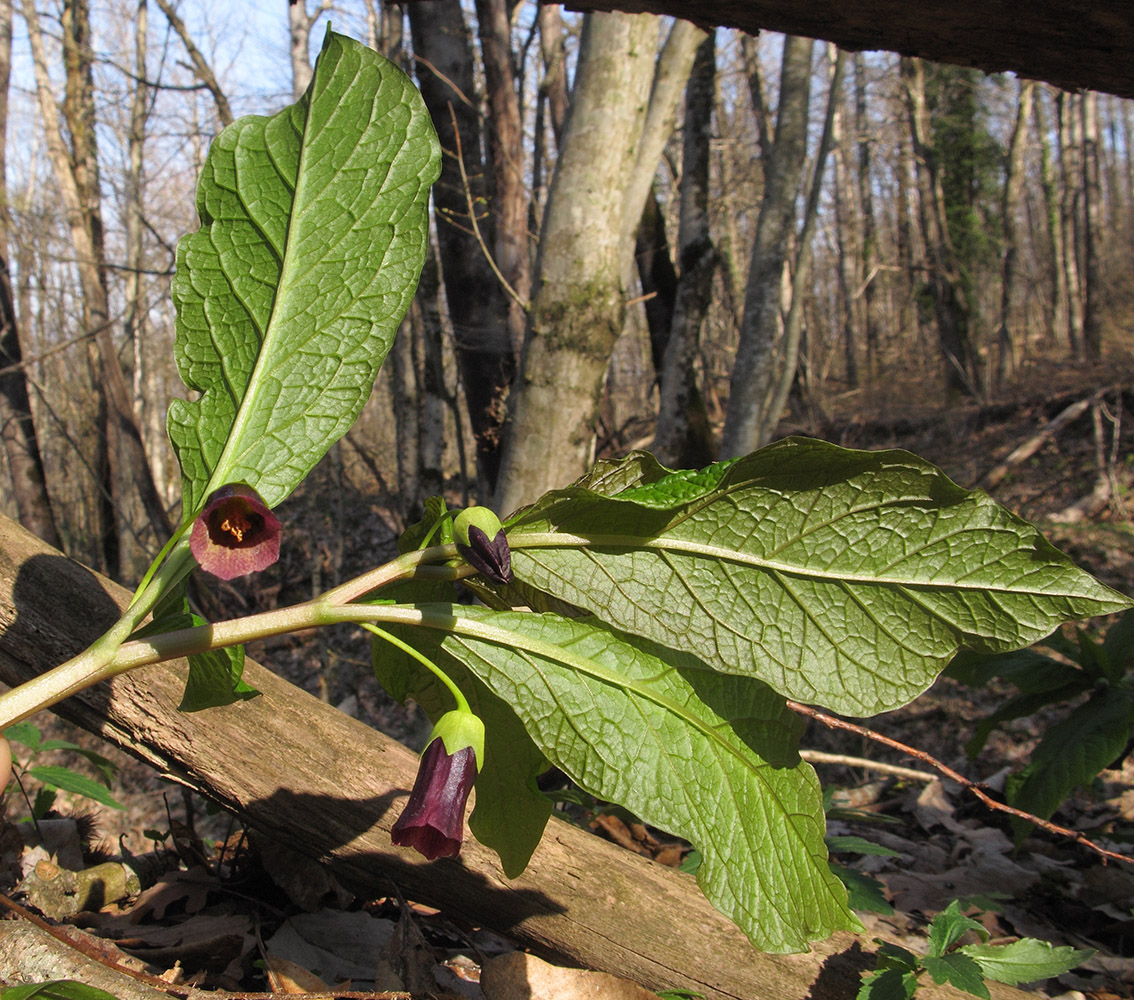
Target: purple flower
[(235, 534), (433, 821)]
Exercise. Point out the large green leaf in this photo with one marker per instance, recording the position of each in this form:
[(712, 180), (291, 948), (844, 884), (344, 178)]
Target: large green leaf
[(313, 232), (703, 755), (841, 578)]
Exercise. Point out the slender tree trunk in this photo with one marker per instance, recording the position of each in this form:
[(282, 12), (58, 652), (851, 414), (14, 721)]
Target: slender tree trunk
[(683, 437), (201, 68), (657, 277), (849, 240), (1057, 310), (801, 279), (868, 248), (77, 176), (300, 24), (435, 397), (1092, 227), (1009, 207), (951, 310), (579, 303), (21, 447), (478, 304), (753, 371), (1070, 207), (508, 200)]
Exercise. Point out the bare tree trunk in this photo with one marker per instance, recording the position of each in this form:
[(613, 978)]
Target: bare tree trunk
[(1009, 206), (868, 249), (201, 68), (1057, 311), (508, 200), (1092, 228), (962, 372), (849, 240), (763, 300), (21, 447), (435, 397), (801, 279), (1070, 164), (300, 24), (554, 82), (478, 304), (683, 437), (578, 306), (77, 176)]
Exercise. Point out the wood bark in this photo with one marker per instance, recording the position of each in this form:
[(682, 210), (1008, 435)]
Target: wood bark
[(578, 307), (1009, 206), (17, 427), (1092, 227), (943, 284), (801, 273), (201, 68), (1090, 45), (683, 438), (1070, 220), (1057, 303), (300, 23), (763, 298), (330, 788), (868, 248), (76, 172), (478, 305), (508, 199)]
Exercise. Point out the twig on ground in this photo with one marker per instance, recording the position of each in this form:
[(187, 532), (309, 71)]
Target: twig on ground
[(833, 722), (819, 757)]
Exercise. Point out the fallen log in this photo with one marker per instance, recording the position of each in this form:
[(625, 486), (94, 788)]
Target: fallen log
[(330, 788)]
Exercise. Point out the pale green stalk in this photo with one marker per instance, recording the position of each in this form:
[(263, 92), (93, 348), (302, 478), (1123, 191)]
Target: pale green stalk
[(111, 654)]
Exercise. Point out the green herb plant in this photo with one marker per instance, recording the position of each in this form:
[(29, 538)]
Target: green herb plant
[(899, 971), (50, 779), (642, 630)]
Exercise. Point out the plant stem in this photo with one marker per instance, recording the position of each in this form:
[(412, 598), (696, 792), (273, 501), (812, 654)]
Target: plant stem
[(111, 654)]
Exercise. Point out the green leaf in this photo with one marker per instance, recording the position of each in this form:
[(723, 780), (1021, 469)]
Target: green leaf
[(864, 892), (702, 755), (949, 926), (1025, 961), (890, 984), (56, 989), (850, 844), (959, 970), (25, 733), (71, 781), (894, 956), (511, 812), (313, 233), (841, 578), (1072, 753), (215, 679), (1119, 646)]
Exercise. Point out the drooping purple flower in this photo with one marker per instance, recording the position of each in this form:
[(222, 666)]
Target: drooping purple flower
[(433, 821), (481, 541), (235, 534)]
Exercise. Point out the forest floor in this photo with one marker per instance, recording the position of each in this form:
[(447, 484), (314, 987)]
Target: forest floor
[(946, 844)]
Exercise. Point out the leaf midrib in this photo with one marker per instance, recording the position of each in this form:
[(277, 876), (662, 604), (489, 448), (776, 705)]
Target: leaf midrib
[(520, 540)]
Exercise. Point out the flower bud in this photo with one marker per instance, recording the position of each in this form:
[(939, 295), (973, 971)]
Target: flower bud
[(481, 541)]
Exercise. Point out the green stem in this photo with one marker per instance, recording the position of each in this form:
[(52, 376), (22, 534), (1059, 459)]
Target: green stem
[(425, 661), (111, 654)]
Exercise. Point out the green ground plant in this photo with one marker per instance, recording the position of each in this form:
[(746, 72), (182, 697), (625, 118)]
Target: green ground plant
[(645, 631)]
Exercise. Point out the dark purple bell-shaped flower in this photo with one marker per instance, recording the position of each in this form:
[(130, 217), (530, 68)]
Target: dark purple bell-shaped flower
[(481, 541), (433, 821)]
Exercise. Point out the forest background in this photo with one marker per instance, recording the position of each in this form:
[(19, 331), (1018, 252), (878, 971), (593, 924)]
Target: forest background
[(644, 236)]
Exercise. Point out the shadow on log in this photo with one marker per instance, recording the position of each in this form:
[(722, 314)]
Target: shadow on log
[(330, 788)]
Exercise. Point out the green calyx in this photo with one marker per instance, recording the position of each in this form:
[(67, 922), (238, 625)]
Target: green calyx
[(475, 517), (459, 729)]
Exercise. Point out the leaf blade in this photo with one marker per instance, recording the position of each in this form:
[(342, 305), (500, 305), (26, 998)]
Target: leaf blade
[(313, 234), (606, 709), (808, 566)]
